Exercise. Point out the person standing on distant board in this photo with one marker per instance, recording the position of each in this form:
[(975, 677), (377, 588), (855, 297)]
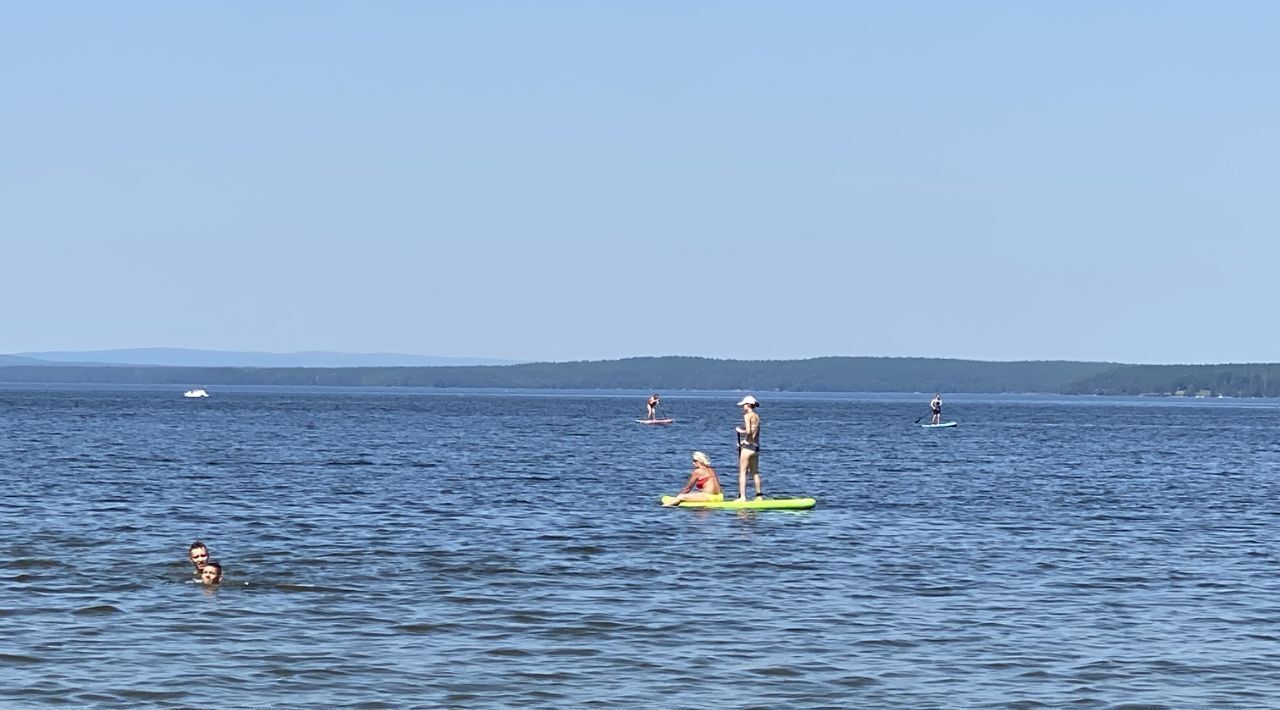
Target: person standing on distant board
[(749, 447), (654, 401), (935, 407)]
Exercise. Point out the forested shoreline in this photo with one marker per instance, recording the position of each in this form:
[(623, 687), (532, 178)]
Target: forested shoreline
[(827, 374)]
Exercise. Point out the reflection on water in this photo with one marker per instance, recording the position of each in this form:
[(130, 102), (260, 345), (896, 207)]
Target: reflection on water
[(394, 549)]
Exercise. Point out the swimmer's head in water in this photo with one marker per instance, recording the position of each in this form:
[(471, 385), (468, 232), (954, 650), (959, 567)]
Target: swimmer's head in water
[(199, 554), (211, 573)]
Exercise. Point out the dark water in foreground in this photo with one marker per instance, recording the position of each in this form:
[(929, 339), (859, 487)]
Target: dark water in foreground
[(396, 549)]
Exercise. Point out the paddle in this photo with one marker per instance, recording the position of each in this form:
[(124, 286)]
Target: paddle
[(669, 413), (922, 416)]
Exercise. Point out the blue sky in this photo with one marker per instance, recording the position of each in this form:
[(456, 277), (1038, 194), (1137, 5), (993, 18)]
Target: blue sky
[(585, 180)]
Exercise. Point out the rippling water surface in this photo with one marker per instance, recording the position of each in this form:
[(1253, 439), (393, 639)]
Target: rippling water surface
[(396, 549)]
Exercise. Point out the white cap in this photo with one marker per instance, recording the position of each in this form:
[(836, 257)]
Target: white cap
[(749, 400)]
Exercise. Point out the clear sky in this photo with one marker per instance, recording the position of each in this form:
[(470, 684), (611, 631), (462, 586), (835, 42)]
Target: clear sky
[(584, 180)]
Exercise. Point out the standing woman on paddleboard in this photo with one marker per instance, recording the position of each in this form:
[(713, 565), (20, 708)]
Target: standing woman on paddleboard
[(654, 401), (935, 407), (749, 447), (703, 483)]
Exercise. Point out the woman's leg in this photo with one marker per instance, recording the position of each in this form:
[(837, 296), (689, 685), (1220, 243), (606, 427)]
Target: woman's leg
[(695, 496), (755, 473)]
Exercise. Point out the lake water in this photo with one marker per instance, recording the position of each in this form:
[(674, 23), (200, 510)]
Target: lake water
[(398, 549)]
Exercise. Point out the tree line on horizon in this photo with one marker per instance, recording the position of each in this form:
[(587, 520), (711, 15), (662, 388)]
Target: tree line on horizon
[(826, 374)]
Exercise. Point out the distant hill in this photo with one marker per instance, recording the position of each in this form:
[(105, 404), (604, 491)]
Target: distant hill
[(1232, 380), (836, 374), (829, 374), (184, 357), (19, 360)]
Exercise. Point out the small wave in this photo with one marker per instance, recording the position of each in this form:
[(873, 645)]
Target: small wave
[(855, 681), (19, 658), (324, 673), (424, 628), (776, 672), (508, 652), (573, 652), (151, 695), (35, 563), (305, 588), (97, 610), (888, 643), (548, 675), (528, 617)]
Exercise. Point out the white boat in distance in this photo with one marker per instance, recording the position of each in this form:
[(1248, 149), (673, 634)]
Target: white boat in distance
[(197, 392)]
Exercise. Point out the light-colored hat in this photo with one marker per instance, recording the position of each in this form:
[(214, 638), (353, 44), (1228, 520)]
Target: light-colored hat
[(702, 458), (749, 400)]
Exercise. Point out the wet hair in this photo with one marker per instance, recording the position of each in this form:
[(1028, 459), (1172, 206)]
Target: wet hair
[(196, 544)]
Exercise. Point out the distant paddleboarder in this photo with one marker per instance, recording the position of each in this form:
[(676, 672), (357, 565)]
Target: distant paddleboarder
[(654, 401), (935, 408)]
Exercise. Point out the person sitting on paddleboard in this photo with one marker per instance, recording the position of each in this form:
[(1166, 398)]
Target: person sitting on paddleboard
[(703, 482), (749, 447), (935, 406), (654, 401)]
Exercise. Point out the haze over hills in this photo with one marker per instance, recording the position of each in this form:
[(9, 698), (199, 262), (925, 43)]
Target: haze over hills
[(187, 357), (19, 360), (829, 374)]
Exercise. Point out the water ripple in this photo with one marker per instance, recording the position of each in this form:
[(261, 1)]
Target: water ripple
[(435, 549)]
